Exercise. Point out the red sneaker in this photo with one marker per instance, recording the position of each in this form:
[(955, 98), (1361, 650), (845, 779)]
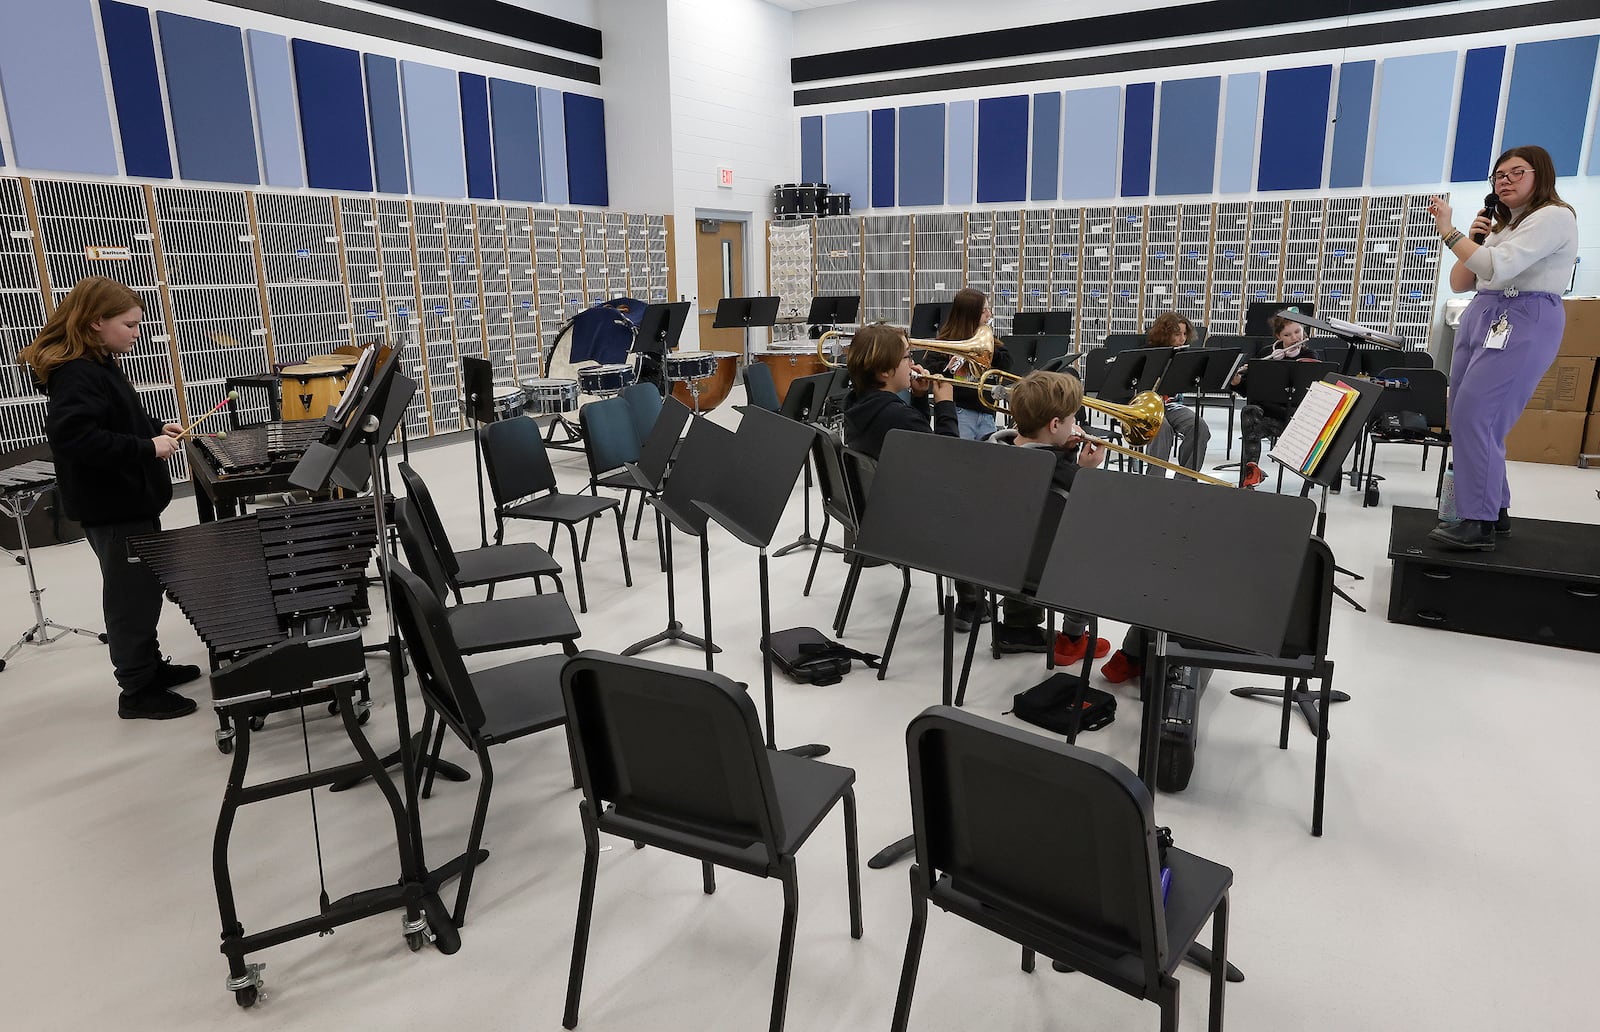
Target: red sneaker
[(1251, 475), (1120, 668), (1070, 650)]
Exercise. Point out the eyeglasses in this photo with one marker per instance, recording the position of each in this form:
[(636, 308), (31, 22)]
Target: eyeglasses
[(1510, 175)]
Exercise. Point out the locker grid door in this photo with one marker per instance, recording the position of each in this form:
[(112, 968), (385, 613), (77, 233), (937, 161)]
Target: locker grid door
[(1037, 240), (400, 293), (21, 302), (1162, 226), (1065, 262), (839, 256), (1341, 243), (1379, 270), (1007, 269), (308, 307), (1094, 295), (1419, 274), (1194, 262), (887, 269), (1127, 302), (438, 315), (790, 257), (1231, 234)]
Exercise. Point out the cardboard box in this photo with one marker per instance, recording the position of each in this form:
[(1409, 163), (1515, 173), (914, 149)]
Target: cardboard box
[(1565, 386), (1545, 436), (1581, 339), (1591, 437)]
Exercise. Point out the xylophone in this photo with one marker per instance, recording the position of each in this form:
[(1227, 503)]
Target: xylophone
[(253, 460)]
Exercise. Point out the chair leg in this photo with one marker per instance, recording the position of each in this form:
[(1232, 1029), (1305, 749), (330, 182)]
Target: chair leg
[(1027, 960), (1444, 460), (816, 554), (1288, 706), (577, 564), (908, 971), (1167, 998), (638, 517), (852, 860), (480, 815), (847, 595), (791, 908), (499, 528), (580, 936), (433, 755), (550, 546), (708, 877), (588, 527), (1318, 785), (622, 546), (1219, 963), (894, 627)]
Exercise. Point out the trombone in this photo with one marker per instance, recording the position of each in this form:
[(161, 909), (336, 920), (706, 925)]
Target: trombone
[(978, 349)]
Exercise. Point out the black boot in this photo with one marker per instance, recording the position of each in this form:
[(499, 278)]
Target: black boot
[(1502, 523), (1465, 535)]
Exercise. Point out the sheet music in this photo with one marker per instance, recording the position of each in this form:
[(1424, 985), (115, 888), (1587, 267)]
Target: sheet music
[(1298, 439)]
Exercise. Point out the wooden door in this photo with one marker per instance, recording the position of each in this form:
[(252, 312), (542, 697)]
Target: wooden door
[(719, 257)]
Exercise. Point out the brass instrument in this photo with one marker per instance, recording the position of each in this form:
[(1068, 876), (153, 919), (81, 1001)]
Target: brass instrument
[(977, 349)]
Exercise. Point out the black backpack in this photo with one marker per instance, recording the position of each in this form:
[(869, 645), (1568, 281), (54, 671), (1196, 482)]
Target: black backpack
[(811, 657), (1048, 704)]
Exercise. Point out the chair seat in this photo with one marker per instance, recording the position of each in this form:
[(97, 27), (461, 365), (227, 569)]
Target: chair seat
[(509, 623), (560, 508), (479, 566), (807, 790), (1198, 885), (624, 480), (520, 698)]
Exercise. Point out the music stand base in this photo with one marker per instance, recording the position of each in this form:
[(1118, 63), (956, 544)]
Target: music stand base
[(807, 541), (1202, 958), (807, 752), (892, 852), (1305, 701), (673, 633)]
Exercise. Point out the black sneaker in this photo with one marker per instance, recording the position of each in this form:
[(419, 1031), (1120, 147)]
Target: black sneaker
[(1465, 535), (1502, 523), (1020, 639), (967, 614), (170, 675), (154, 705)]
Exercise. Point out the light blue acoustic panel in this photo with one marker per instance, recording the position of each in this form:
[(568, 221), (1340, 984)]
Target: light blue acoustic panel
[(1046, 167), (922, 155), (960, 151), (136, 88), (883, 158), (1186, 142), (209, 93), (553, 145), (811, 149), (333, 116), (586, 150), (514, 116), (1294, 128), (1477, 113), (1548, 103), (475, 135), (1352, 120), (387, 124), (433, 130), (1238, 168), (847, 153), (1138, 127), (50, 78), (1413, 125), (1090, 126), (1002, 149), (276, 111)]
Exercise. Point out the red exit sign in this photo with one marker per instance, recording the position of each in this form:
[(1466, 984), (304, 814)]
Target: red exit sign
[(725, 177)]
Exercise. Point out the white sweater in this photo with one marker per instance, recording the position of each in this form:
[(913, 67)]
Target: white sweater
[(1538, 255)]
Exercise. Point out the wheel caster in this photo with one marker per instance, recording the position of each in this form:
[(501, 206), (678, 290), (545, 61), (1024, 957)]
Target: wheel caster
[(28, 636), (247, 987), (21, 561), (103, 638), (416, 940), (2, 664), (225, 746), (364, 715), (246, 997), (258, 722)]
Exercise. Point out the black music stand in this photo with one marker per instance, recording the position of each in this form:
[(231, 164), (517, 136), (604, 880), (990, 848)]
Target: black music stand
[(747, 313), (1353, 333), (1184, 371), (927, 317), (830, 310), (477, 381), (808, 402), (704, 460), (659, 330)]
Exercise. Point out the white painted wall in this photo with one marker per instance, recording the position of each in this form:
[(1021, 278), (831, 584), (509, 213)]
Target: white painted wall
[(637, 79)]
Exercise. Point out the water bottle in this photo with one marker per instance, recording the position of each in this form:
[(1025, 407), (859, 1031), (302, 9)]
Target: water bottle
[(1447, 497)]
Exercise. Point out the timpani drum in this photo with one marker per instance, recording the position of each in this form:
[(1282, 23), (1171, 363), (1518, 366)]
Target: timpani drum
[(789, 364), (549, 396), (310, 390), (718, 370), (606, 381)]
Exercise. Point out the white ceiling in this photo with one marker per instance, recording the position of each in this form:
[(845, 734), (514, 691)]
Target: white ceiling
[(806, 5)]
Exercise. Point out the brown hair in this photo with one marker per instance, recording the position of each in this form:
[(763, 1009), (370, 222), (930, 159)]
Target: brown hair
[(966, 315), (1164, 331), (1279, 322), (1042, 396), (876, 349), (1544, 185), (69, 332)]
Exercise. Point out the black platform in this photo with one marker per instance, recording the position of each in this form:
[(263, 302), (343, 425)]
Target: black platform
[(1541, 584)]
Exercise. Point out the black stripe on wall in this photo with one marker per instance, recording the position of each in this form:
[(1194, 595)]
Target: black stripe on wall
[(315, 12), (1468, 23), (509, 20), (1106, 30)]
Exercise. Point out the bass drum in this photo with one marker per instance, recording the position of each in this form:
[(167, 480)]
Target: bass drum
[(811, 195), (789, 364), (786, 201), (713, 390)]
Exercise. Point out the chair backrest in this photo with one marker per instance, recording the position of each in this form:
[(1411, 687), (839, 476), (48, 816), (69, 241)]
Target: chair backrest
[(1302, 374), (1332, 349), (421, 499), (425, 628), (609, 437), (644, 402), (1312, 612), (421, 555), (1249, 345), (1424, 393), (759, 388), (1048, 348), (827, 457), (1116, 342), (1088, 870), (859, 471), (655, 455), (677, 748), (1095, 365), (516, 461)]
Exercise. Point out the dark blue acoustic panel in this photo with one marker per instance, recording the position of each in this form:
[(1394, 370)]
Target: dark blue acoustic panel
[(136, 87), (1549, 98), (922, 155), (1046, 146), (1186, 142), (883, 158), (1138, 127), (1353, 117), (1476, 114), (1002, 149), (811, 149), (514, 110), (586, 150), (1294, 128), (210, 98), (388, 127), (333, 116), (475, 135)]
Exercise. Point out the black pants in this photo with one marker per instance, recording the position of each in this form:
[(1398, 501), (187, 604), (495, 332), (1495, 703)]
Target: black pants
[(132, 600), (1254, 427), (1020, 612)]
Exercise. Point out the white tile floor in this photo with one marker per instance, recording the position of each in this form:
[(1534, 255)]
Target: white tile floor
[(1450, 891)]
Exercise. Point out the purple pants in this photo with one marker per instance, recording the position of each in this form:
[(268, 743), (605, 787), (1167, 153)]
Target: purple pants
[(1488, 390)]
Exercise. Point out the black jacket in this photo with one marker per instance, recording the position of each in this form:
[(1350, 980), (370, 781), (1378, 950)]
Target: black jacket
[(870, 415), (102, 440), (1066, 458)]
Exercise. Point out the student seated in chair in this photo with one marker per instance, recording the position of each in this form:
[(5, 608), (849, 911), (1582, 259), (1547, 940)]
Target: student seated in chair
[(1257, 422), (1172, 330)]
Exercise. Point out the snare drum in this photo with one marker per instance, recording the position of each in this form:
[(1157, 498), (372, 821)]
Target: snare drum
[(310, 390), (691, 365), (606, 381), (789, 364), (548, 397), (509, 400)]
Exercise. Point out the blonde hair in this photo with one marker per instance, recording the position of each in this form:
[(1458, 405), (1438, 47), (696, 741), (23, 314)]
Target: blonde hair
[(875, 350), (69, 333), (1042, 396)]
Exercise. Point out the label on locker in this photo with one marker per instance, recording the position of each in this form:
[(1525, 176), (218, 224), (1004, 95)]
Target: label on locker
[(438, 309), (302, 252), (247, 238), (527, 304), (22, 234), (97, 253), (330, 240), (344, 326)]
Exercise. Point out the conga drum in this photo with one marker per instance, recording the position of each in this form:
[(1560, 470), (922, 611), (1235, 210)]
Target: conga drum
[(702, 379), (310, 390), (789, 363)]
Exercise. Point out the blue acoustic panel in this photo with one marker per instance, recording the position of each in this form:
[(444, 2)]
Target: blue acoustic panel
[(922, 155), (847, 154), (433, 130), (1408, 144), (883, 158), (1186, 142), (553, 145), (387, 124), (1138, 125), (960, 150), (275, 108), (1046, 166), (1352, 120), (1089, 143), (136, 88), (1476, 114), (209, 93), (586, 150), (1002, 149), (1237, 173), (50, 78), (1548, 103), (514, 108), (333, 116), (1294, 128), (475, 135), (811, 149)]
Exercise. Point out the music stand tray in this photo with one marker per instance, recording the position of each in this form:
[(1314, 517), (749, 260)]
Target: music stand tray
[(834, 310), (745, 313)]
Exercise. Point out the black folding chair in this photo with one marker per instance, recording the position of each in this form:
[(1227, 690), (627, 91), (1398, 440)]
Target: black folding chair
[(1116, 343), (1417, 390), (738, 804), (759, 388)]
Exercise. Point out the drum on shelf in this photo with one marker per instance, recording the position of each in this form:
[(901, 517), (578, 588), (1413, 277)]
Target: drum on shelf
[(786, 201), (549, 396), (310, 390), (811, 195), (606, 381), (692, 365), (835, 204), (509, 401), (789, 364), (706, 393)]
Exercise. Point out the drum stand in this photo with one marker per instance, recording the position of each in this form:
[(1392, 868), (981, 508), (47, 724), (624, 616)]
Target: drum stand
[(18, 506), (573, 441)]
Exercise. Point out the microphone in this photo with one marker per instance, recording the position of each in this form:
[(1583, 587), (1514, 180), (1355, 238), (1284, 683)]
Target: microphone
[(1490, 203)]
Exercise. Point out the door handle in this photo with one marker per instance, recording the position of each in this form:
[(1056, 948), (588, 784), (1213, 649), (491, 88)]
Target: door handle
[(707, 311)]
